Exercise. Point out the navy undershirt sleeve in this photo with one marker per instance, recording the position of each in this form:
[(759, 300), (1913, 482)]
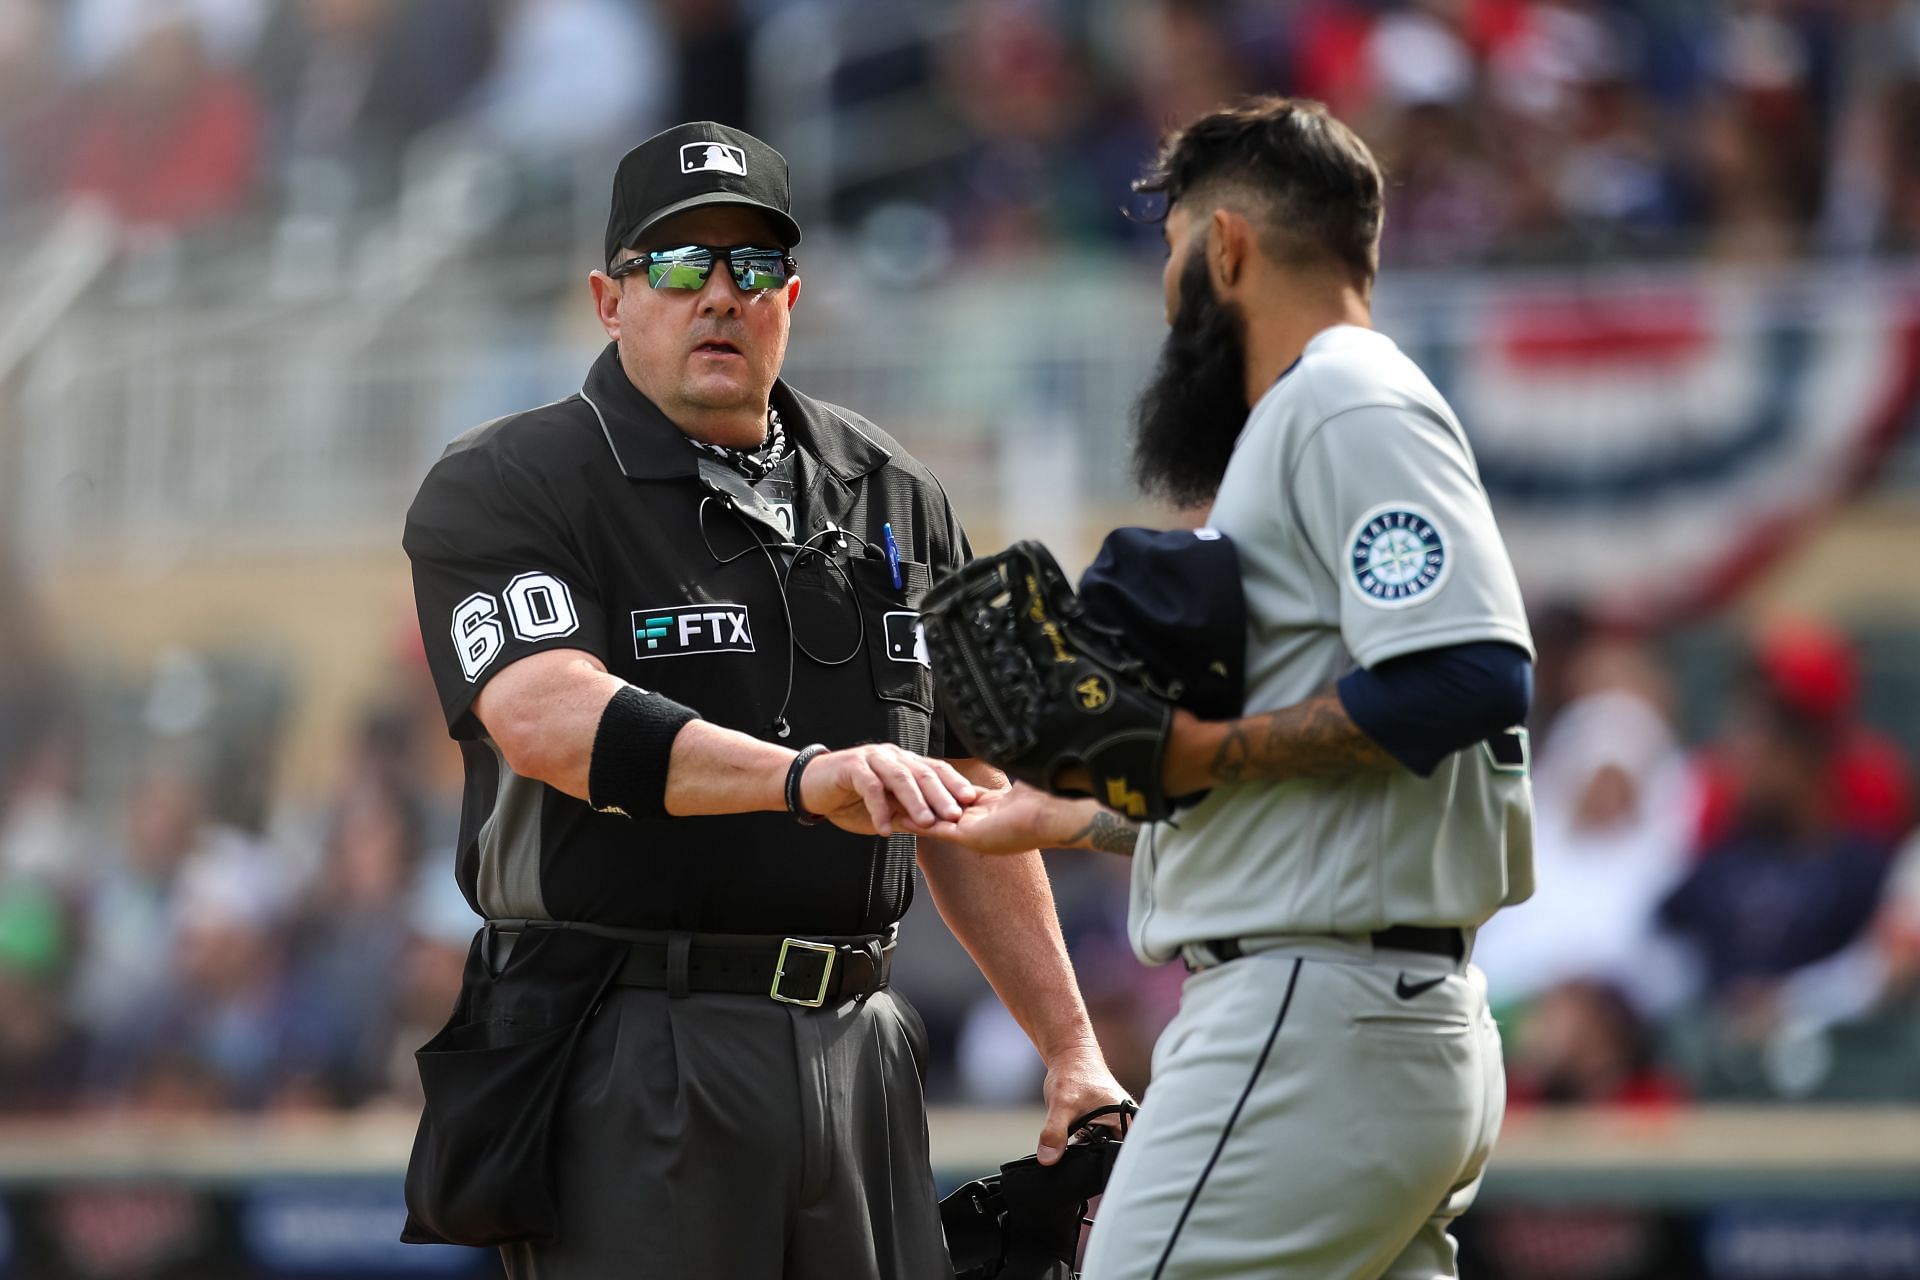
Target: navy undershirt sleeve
[(1423, 707)]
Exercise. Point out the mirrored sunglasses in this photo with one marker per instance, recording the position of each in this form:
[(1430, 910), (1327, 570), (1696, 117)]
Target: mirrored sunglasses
[(688, 266)]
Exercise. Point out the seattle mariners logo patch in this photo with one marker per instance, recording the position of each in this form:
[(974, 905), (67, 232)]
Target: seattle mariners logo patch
[(693, 628), (1397, 555)]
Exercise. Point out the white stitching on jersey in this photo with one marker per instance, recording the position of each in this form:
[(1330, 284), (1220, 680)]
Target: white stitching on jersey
[(617, 459)]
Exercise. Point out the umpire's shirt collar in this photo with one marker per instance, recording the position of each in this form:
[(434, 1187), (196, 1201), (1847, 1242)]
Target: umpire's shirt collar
[(648, 446)]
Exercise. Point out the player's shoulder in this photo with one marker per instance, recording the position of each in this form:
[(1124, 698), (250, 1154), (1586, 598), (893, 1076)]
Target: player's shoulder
[(1348, 367), (1344, 372)]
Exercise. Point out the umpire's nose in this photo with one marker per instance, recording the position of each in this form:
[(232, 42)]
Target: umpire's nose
[(720, 296)]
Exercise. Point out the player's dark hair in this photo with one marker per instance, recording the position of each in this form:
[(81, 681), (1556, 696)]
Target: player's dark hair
[(1318, 187)]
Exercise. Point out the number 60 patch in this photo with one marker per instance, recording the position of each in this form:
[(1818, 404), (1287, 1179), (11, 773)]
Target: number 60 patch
[(539, 607)]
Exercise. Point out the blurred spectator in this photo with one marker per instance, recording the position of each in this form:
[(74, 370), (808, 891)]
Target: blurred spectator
[(1760, 143), (574, 76), (1787, 885), (1903, 151), (134, 917), (30, 93), (44, 835), (1582, 1042), (1614, 822), (102, 33), (713, 54), (1811, 669), (169, 141), (1186, 60), (39, 1047), (226, 1025), (1021, 88), (355, 937), (129, 918), (1444, 195), (1896, 937), (355, 79)]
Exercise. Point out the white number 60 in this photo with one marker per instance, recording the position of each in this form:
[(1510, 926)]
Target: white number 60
[(541, 607), (476, 636)]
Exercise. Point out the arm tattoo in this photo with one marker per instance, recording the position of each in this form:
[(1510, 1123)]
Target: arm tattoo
[(1108, 832), (1310, 739)]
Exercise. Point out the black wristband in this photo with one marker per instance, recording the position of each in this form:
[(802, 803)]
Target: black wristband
[(631, 751), (799, 766)]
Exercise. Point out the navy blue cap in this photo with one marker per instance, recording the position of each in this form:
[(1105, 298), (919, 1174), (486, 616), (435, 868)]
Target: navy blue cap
[(1175, 596)]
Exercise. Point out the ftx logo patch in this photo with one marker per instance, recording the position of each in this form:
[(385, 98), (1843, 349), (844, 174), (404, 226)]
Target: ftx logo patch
[(691, 628)]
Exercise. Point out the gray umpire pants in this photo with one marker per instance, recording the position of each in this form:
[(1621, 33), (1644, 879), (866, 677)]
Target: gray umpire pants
[(1320, 1110), (731, 1136)]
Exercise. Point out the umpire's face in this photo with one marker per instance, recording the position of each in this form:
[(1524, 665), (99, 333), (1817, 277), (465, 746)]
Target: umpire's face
[(707, 357)]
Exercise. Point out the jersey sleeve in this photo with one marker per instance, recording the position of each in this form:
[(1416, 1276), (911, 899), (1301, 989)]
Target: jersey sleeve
[(1391, 504), (496, 577)]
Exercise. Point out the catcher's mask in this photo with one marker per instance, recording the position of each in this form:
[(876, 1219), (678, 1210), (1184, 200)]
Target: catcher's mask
[(1024, 1223)]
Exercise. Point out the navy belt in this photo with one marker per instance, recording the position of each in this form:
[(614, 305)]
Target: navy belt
[(1436, 940)]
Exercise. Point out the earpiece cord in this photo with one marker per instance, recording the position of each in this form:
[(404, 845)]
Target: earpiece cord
[(780, 726)]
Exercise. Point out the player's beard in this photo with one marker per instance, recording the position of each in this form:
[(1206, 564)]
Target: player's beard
[(1188, 417)]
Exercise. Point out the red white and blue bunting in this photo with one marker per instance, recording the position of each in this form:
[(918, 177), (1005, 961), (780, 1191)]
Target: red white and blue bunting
[(1651, 443)]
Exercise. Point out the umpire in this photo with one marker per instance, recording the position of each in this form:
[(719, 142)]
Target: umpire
[(660, 614)]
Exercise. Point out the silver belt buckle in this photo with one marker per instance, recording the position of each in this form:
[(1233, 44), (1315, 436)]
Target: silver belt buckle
[(819, 997)]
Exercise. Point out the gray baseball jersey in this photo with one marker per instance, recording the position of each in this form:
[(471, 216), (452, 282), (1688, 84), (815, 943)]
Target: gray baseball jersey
[(1364, 534)]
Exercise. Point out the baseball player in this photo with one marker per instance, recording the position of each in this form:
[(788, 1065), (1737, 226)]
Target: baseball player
[(1326, 1099)]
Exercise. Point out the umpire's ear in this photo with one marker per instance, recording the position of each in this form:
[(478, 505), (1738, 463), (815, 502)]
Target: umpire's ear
[(1230, 246)]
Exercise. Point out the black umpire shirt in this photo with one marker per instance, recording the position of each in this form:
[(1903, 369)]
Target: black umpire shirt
[(594, 523)]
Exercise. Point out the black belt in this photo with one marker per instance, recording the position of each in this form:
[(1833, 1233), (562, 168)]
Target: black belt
[(811, 972), (1437, 940)]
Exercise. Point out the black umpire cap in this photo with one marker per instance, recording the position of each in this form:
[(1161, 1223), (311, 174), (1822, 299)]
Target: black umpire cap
[(697, 164), (1176, 596)]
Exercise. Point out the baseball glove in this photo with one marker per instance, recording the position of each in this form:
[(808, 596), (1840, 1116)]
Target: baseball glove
[(1031, 685), (1024, 1222)]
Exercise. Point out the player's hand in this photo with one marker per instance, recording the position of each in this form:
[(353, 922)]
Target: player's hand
[(1013, 818), (878, 788), (1077, 1082)]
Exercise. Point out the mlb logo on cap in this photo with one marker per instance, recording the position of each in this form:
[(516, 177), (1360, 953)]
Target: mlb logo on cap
[(712, 157), (691, 166)]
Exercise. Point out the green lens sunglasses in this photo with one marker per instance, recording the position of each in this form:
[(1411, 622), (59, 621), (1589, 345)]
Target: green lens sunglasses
[(688, 266)]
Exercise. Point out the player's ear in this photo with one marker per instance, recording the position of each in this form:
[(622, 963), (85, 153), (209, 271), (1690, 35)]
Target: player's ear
[(1229, 245), (606, 302), (793, 290)]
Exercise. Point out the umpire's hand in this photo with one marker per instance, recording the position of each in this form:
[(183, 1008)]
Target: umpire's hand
[(878, 788), (1077, 1082)]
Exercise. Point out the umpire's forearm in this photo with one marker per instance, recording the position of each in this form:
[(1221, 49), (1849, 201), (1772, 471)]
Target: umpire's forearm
[(1001, 909)]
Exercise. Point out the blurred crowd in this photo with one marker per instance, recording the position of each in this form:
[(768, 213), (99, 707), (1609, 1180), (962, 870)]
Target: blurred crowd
[(1513, 130), (1726, 912), (174, 938), (1733, 919)]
